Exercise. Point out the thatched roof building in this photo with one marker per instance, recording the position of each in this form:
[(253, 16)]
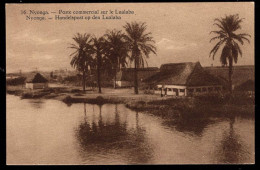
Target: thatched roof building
[(189, 74), (248, 85), (125, 77), (37, 78), (36, 82), (183, 77), (241, 74)]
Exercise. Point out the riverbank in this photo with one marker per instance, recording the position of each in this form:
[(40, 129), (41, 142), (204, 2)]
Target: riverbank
[(188, 108), (72, 94)]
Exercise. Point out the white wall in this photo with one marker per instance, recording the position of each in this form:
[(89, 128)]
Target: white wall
[(36, 85), (123, 84), (173, 91)]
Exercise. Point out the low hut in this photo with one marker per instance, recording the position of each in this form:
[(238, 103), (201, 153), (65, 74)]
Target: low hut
[(248, 86), (36, 82), (183, 79), (241, 74)]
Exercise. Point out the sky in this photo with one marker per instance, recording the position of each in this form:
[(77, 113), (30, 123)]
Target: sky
[(181, 32)]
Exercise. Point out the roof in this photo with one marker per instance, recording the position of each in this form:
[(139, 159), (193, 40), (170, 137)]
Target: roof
[(37, 78), (240, 75), (127, 74), (189, 74), (171, 66), (141, 69), (249, 85)]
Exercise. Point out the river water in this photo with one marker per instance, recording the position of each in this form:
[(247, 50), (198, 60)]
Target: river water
[(50, 132)]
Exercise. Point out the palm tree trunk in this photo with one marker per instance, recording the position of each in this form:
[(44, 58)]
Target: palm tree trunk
[(115, 79), (98, 75), (136, 77), (230, 72), (84, 80)]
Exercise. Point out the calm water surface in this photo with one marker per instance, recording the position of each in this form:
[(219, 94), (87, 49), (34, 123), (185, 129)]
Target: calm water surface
[(50, 132)]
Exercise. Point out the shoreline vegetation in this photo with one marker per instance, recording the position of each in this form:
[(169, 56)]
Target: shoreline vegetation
[(195, 108)]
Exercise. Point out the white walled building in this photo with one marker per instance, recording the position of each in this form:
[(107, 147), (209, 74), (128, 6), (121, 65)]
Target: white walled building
[(183, 79), (36, 82)]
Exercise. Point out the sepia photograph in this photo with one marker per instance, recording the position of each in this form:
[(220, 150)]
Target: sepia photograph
[(130, 83)]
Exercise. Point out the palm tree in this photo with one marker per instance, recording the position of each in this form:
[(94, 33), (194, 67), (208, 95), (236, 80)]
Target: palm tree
[(81, 57), (226, 36), (116, 49), (140, 44), (98, 51)]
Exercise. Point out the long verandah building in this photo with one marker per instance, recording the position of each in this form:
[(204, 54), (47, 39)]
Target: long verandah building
[(183, 79)]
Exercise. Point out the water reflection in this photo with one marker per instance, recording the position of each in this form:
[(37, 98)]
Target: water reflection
[(36, 103), (141, 151), (69, 104), (106, 138), (231, 149), (189, 126), (113, 134)]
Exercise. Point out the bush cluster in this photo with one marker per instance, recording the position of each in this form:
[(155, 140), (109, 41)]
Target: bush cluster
[(16, 81)]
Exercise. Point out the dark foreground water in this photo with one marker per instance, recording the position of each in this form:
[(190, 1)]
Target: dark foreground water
[(50, 132)]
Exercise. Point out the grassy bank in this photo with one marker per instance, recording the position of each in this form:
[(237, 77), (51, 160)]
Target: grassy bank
[(200, 107), (58, 93), (189, 108)]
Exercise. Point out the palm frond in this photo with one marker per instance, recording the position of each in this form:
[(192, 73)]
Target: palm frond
[(238, 48), (220, 26), (225, 54), (226, 33), (215, 49)]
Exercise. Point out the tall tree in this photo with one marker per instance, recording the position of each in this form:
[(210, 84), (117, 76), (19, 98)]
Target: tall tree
[(230, 40), (116, 50), (81, 57), (98, 51), (140, 45)]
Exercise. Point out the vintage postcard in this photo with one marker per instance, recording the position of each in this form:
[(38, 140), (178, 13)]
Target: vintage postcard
[(130, 83)]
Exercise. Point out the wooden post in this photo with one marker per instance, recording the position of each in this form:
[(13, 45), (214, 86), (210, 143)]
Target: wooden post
[(178, 92), (161, 92)]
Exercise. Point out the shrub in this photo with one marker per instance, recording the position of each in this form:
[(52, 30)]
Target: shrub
[(241, 98), (214, 98), (16, 81), (67, 99), (75, 91), (237, 98)]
